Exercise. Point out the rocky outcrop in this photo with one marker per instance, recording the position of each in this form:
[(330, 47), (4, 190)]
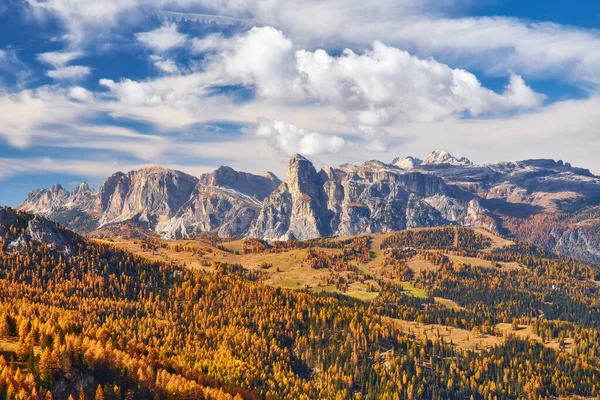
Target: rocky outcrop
[(212, 209), (170, 203), (153, 194), (372, 197), (257, 186), (46, 200), (20, 230), (295, 210)]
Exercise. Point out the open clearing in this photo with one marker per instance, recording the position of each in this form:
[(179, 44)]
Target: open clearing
[(469, 340)]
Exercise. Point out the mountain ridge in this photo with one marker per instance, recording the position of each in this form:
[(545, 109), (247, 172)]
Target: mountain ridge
[(346, 200)]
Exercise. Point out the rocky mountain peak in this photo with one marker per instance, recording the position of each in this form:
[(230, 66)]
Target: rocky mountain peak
[(81, 189), (302, 177), (160, 200), (298, 157), (155, 169), (269, 175), (45, 200), (151, 192), (407, 162), (443, 157), (56, 188)]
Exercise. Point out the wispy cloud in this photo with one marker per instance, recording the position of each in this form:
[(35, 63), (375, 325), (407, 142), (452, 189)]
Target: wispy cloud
[(10, 62), (70, 72), (59, 59)]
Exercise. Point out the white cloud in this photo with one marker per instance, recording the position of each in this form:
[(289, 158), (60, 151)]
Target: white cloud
[(162, 39), (18, 166), (380, 96), (164, 64), (76, 167), (361, 92), (25, 113), (373, 88), (564, 130), (498, 44), (290, 139), (81, 94), (87, 19), (71, 72), (261, 57), (384, 84), (59, 59), (208, 43), (10, 62), (495, 45)]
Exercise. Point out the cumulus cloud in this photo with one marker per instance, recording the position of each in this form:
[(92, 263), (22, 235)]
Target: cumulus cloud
[(81, 94), (162, 39), (385, 83), (498, 44), (491, 44), (262, 57), (290, 139), (377, 94), (173, 101), (373, 88), (364, 92), (70, 72)]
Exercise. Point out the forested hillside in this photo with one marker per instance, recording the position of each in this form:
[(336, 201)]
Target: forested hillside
[(99, 322)]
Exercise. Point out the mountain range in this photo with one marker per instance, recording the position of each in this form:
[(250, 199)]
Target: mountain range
[(547, 202)]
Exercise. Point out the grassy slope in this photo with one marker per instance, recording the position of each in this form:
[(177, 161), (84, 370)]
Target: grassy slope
[(290, 272)]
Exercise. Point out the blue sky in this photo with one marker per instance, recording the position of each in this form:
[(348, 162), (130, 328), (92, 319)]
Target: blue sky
[(89, 88)]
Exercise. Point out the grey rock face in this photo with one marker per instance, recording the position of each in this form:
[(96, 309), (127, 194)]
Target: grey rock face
[(46, 200), (153, 193), (295, 209), (171, 203), (36, 230), (544, 185), (212, 209), (41, 230), (255, 186), (372, 197)]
